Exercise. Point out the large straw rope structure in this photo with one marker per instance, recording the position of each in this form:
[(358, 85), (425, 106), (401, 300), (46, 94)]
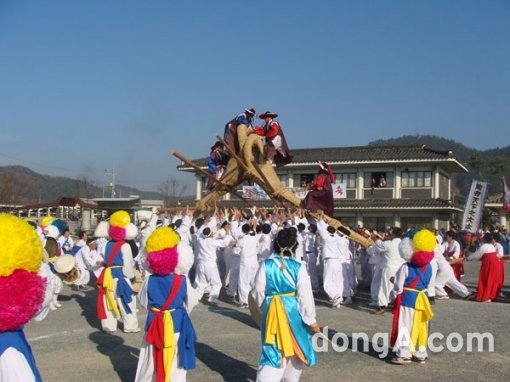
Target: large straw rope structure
[(250, 163)]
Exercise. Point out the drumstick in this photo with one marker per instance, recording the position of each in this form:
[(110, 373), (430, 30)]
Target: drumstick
[(324, 337)]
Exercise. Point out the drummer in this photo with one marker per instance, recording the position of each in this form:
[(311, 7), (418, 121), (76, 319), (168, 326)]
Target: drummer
[(89, 259), (69, 272)]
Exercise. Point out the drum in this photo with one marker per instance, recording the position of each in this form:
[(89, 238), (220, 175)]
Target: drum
[(135, 285), (67, 270), (254, 310), (51, 247)]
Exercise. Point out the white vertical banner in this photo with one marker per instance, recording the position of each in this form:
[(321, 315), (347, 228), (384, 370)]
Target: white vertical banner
[(473, 210)]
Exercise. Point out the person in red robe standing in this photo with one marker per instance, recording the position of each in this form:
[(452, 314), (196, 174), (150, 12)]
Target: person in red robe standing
[(320, 196), (489, 279)]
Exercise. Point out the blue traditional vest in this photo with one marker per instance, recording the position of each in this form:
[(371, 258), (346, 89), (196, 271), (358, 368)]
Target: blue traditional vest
[(16, 340), (414, 272), (123, 290), (279, 282), (158, 290)]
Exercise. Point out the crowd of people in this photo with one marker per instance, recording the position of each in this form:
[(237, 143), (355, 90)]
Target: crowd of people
[(280, 259), (273, 261)]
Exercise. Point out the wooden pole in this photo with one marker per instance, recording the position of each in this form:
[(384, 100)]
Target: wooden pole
[(203, 172)]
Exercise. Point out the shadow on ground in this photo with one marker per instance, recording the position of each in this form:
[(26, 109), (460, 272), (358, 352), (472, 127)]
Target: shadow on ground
[(231, 369)]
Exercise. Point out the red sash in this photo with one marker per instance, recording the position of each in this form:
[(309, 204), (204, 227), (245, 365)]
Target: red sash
[(101, 309), (396, 311), (156, 332)]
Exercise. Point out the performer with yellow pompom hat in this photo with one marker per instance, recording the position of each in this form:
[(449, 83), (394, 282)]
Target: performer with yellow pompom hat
[(115, 299), (168, 347), (284, 292), (22, 292), (411, 309)]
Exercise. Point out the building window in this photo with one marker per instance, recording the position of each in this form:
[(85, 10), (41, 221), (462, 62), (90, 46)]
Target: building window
[(379, 179), (412, 179), (303, 180), (283, 179), (348, 178)]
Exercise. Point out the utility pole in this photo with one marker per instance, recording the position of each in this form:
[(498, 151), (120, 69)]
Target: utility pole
[(112, 184)]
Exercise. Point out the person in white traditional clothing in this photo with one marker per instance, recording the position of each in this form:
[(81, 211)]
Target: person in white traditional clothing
[(50, 244), (66, 242), (391, 263), (332, 245), (375, 260), (445, 277), (148, 223), (247, 248), (349, 282), (364, 259), (89, 259), (182, 227), (453, 252), (265, 245), (82, 240), (310, 251), (101, 234), (207, 273), (353, 277), (232, 279)]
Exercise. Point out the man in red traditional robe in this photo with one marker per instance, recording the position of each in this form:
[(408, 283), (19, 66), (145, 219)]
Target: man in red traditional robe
[(277, 149), (320, 196)]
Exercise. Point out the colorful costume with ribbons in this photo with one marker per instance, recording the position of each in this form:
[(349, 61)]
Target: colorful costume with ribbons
[(414, 296), (284, 334), (16, 340), (166, 316), (106, 299), (23, 296)]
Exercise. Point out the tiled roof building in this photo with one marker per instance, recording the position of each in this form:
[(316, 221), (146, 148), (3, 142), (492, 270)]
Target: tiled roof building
[(417, 187)]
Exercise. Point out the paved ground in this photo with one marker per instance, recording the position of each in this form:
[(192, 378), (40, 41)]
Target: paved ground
[(69, 345)]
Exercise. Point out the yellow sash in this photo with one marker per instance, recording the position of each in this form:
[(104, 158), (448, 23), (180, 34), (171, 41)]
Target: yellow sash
[(278, 328), (422, 315), (109, 285)]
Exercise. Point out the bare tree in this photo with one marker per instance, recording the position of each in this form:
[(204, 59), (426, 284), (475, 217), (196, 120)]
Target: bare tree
[(171, 191), (13, 190)]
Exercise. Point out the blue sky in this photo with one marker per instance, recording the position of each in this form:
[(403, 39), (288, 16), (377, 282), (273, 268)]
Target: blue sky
[(101, 84)]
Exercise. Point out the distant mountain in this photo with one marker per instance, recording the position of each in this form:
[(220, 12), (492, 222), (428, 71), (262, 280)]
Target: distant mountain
[(19, 185), (493, 164)]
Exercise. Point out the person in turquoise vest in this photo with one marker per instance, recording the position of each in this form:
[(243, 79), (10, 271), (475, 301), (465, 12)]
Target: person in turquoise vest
[(283, 291)]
